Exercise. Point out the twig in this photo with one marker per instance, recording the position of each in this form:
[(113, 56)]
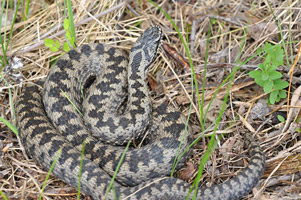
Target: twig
[(276, 180), (262, 124), (133, 10), (172, 52)]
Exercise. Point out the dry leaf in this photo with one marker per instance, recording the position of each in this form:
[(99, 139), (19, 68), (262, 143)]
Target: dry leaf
[(257, 31), (187, 172)]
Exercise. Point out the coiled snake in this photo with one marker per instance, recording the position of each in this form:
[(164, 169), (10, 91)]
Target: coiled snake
[(98, 81)]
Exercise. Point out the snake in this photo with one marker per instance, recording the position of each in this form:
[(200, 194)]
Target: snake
[(92, 121)]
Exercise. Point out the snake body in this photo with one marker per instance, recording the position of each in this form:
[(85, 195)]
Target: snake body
[(116, 108)]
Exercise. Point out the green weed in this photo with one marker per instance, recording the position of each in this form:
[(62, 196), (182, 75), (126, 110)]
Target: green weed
[(267, 76), (281, 118), (70, 36), (54, 45)]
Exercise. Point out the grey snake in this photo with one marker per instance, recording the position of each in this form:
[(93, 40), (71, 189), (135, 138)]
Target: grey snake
[(94, 94)]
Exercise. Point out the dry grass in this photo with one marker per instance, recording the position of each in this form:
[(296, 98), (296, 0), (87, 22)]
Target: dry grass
[(21, 178)]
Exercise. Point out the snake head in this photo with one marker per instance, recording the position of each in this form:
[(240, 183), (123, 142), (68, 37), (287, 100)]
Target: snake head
[(145, 49)]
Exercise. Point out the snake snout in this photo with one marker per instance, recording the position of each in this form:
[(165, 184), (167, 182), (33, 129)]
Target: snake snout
[(144, 51)]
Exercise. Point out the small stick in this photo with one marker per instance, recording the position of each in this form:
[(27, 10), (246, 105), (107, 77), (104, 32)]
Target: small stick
[(172, 52), (133, 10)]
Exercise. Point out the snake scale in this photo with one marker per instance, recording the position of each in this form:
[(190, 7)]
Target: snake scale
[(94, 94)]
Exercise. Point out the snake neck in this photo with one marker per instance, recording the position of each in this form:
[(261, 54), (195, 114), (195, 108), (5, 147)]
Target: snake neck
[(139, 106)]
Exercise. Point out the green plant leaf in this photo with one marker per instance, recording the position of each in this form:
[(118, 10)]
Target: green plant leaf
[(57, 44), (66, 47), (272, 67), (268, 48), (273, 96), (53, 49), (68, 35), (72, 41), (275, 53), (261, 66), (275, 75), (278, 60), (213, 20), (282, 94), (260, 82), (66, 24), (279, 84), (267, 61), (280, 118), (268, 86), (255, 74), (264, 76), (278, 55), (48, 42), (259, 51)]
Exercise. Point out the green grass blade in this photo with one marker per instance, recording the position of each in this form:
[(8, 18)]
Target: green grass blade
[(193, 76), (26, 10), (10, 126), (3, 195), (213, 141), (187, 52), (12, 26), (178, 157), (117, 169), (195, 142), (11, 103), (49, 172), (71, 19), (4, 58), (71, 102)]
